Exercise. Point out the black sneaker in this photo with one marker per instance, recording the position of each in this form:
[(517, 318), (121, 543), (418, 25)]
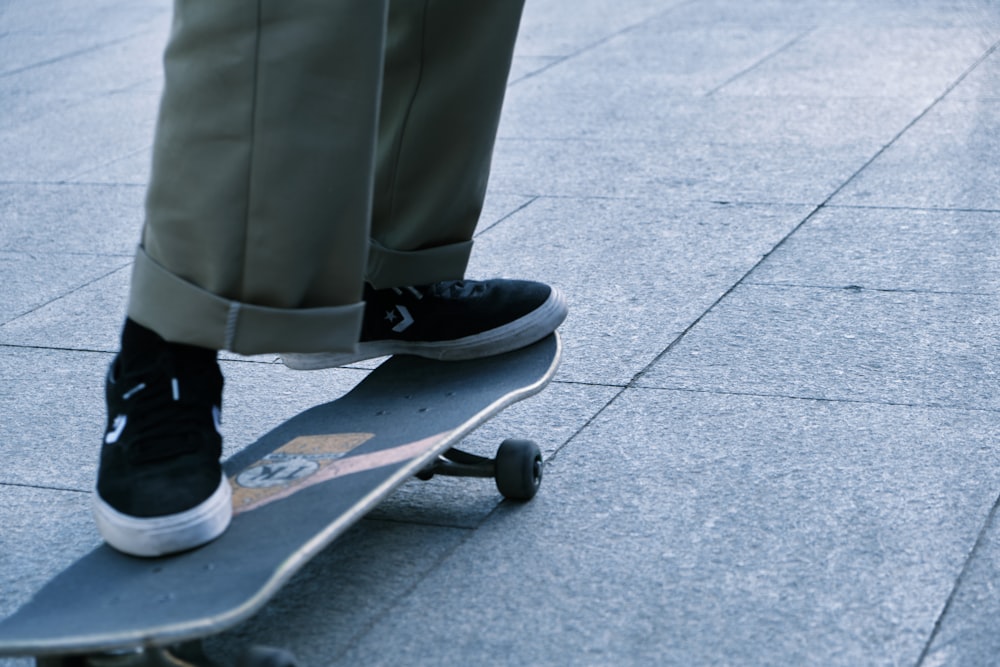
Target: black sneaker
[(160, 486), (452, 320)]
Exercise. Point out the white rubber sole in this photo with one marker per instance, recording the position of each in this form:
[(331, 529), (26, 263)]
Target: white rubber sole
[(512, 336), (159, 536)]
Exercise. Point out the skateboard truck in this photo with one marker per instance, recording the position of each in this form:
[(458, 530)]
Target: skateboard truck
[(517, 467)]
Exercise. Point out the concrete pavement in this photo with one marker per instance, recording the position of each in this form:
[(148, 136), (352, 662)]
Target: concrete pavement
[(775, 438)]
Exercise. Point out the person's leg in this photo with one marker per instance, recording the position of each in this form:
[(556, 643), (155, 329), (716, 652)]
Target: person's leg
[(255, 241), (446, 69), (260, 199)]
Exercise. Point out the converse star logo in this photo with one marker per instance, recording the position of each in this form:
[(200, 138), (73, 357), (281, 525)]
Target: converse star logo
[(406, 321), (116, 430)]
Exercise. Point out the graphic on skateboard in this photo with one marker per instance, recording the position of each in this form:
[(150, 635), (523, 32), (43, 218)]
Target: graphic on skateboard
[(295, 490)]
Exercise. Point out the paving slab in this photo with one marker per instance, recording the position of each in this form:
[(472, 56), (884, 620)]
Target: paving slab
[(44, 530), (686, 528), (945, 160), (42, 32), (765, 14), (52, 409), (636, 273), (751, 16), (969, 632), (343, 591), (790, 174), (130, 169), (89, 318), (31, 281), (842, 344), (548, 30), (866, 61), (45, 219), (99, 131), (672, 57), (57, 87), (983, 83), (563, 108), (886, 249)]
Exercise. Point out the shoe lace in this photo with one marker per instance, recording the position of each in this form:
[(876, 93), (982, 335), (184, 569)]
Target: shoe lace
[(457, 289), (168, 421), (447, 289)]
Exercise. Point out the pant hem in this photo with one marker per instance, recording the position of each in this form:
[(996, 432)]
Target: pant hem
[(395, 268), (183, 312)]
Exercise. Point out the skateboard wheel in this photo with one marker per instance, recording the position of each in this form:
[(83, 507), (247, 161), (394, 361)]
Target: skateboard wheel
[(518, 469), (266, 656)]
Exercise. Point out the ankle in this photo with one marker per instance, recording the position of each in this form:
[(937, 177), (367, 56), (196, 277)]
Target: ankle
[(142, 347)]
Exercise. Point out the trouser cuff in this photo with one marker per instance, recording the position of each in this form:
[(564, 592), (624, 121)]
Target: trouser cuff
[(182, 312), (396, 268)]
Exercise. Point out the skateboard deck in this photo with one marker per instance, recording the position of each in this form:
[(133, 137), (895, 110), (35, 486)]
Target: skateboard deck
[(295, 490)]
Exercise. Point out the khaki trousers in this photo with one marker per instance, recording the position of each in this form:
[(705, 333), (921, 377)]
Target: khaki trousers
[(306, 146)]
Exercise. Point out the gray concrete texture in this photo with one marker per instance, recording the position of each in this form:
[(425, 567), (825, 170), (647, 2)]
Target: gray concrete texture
[(775, 439)]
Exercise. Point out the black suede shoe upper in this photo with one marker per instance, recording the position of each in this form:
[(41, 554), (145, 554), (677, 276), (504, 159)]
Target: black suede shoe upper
[(162, 446), (448, 310)]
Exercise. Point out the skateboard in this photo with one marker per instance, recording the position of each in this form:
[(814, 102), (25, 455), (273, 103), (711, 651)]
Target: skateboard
[(295, 490)]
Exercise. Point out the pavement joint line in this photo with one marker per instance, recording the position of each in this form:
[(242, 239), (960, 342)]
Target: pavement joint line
[(21, 346), (860, 207), (113, 184), (517, 210), (820, 399), (72, 54), (677, 339), (45, 254), (748, 203), (89, 184), (959, 581), (408, 591), (585, 426), (781, 49), (862, 288), (44, 487), (929, 209), (418, 522), (590, 420), (644, 198), (583, 383), (66, 294), (120, 158), (537, 195)]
